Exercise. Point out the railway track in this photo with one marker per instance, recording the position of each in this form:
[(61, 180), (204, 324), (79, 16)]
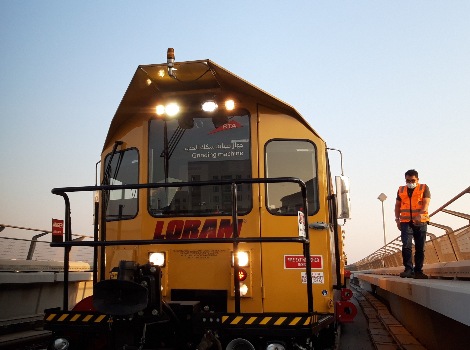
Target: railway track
[(23, 333), (385, 331)]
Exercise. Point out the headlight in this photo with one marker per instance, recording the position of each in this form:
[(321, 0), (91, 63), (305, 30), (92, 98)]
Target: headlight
[(160, 110), (171, 109), (209, 106), (158, 258), (243, 259), (243, 289)]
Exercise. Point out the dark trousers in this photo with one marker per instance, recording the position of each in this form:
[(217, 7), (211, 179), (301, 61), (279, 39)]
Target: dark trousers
[(409, 231)]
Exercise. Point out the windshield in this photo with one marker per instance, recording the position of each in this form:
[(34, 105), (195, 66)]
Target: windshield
[(196, 150)]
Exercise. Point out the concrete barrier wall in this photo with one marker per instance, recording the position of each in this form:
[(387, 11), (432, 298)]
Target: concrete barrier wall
[(28, 293)]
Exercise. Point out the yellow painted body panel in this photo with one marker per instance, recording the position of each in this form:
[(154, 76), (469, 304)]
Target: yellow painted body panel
[(284, 289)]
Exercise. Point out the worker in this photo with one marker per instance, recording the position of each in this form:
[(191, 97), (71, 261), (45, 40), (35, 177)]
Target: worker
[(411, 216)]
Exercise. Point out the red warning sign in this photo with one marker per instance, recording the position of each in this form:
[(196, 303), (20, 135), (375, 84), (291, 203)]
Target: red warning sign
[(57, 230), (298, 261)]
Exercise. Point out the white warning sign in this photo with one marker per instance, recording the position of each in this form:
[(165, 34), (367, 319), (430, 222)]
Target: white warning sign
[(317, 277)]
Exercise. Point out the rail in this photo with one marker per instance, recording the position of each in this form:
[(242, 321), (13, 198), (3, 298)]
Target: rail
[(452, 246), (68, 243), (14, 247)]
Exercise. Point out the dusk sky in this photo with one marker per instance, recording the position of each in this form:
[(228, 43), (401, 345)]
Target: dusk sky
[(386, 82)]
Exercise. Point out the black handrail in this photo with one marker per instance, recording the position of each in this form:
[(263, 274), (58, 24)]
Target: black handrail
[(68, 243)]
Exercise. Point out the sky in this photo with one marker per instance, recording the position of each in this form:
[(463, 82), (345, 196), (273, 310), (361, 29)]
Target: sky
[(386, 82)]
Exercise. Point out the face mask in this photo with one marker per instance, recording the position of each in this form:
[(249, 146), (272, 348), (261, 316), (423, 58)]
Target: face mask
[(411, 185)]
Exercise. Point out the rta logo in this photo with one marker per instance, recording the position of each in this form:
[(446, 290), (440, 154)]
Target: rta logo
[(192, 229), (229, 126)]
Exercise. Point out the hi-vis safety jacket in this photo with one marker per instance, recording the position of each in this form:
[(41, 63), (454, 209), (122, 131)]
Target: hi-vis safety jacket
[(411, 206)]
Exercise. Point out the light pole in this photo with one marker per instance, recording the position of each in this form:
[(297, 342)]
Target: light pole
[(382, 197)]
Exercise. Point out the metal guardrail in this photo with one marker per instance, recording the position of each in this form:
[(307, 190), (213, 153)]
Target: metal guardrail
[(453, 245), (102, 242), (35, 249)]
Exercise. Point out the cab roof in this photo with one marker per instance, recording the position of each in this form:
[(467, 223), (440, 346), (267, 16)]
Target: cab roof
[(152, 81)]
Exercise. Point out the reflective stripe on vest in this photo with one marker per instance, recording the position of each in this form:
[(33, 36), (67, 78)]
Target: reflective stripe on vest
[(411, 207)]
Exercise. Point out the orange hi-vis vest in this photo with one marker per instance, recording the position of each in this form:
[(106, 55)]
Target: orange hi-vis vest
[(411, 206)]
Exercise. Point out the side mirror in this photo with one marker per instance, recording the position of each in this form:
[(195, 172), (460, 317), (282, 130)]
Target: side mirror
[(343, 203)]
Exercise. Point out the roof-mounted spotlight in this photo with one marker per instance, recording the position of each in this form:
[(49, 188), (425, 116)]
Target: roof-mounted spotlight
[(170, 110), (160, 110), (209, 106)]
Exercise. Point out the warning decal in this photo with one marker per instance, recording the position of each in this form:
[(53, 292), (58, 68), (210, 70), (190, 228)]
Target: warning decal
[(298, 262)]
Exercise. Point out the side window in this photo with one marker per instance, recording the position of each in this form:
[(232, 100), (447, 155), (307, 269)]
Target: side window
[(291, 158), (123, 170)]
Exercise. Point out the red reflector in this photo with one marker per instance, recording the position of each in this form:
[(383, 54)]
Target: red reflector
[(346, 294), (345, 311), (242, 275)]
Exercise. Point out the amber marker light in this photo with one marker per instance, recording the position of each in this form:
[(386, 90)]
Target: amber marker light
[(229, 105)]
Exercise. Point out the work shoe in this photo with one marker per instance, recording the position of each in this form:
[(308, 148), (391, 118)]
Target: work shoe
[(407, 274), (420, 276)]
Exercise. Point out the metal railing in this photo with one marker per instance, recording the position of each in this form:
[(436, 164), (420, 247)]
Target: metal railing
[(14, 247), (453, 245), (102, 243)]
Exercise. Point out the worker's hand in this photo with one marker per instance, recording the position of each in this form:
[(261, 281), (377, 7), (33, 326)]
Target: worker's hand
[(424, 215), (398, 224), (417, 219)]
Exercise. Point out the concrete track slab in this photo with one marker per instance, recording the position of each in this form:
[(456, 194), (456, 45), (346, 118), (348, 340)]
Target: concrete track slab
[(443, 296)]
